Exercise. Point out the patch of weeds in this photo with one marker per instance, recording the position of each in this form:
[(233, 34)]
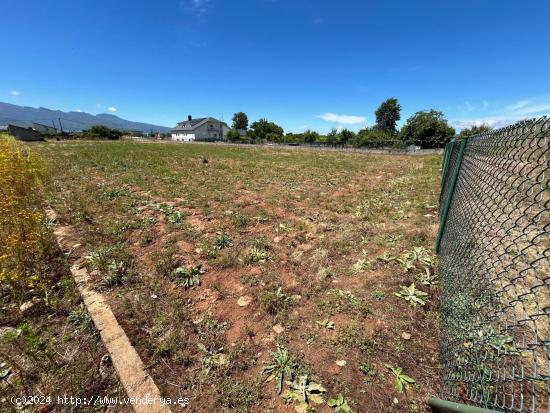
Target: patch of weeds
[(304, 392), (339, 404), (222, 241), (249, 280), (377, 294), (240, 220), (99, 259), (353, 337), (274, 300), (427, 278), (412, 295), (165, 263), (118, 273), (402, 381), (326, 323), (147, 237), (237, 396), (337, 301), (226, 259), (360, 266), (281, 365), (187, 277), (212, 357), (172, 215), (326, 273), (260, 251), (82, 319), (115, 193), (368, 372)]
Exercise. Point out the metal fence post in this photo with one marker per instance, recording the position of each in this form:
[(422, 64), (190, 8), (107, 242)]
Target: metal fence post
[(449, 199)]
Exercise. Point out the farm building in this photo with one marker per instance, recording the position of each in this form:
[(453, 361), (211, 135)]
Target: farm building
[(44, 129), (200, 129), (24, 134)]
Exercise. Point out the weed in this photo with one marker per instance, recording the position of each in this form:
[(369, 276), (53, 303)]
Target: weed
[(343, 301), (352, 337), (187, 277), (241, 220), (249, 280), (377, 294), (360, 266), (402, 381), (81, 318), (368, 372), (222, 240), (281, 365), (304, 392), (339, 405), (165, 263), (274, 300), (326, 323), (412, 295)]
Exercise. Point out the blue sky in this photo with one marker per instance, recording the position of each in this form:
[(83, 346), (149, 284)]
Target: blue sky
[(303, 64)]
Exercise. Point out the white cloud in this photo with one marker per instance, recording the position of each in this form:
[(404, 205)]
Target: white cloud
[(508, 114), (342, 119), (15, 93), (111, 109)]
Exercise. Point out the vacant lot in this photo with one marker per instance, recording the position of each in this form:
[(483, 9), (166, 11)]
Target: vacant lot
[(227, 265)]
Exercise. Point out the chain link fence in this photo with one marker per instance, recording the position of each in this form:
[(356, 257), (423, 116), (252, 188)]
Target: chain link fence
[(494, 255)]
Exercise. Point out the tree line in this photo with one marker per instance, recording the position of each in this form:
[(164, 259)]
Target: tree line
[(427, 129)]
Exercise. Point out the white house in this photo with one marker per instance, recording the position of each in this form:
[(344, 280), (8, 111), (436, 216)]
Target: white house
[(200, 129)]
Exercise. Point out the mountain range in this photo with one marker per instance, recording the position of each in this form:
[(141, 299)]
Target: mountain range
[(70, 121)]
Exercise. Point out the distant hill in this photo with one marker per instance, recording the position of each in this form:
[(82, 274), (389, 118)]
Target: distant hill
[(71, 121)]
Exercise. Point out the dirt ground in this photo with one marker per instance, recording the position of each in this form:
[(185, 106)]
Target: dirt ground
[(301, 250)]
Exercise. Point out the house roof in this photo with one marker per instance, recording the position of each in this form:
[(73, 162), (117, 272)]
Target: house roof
[(194, 123)]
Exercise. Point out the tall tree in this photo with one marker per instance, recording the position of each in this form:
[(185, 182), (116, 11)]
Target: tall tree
[(263, 129), (474, 130), (387, 115), (240, 121), (428, 129)]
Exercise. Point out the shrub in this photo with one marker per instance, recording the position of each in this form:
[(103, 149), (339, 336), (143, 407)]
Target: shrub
[(25, 241)]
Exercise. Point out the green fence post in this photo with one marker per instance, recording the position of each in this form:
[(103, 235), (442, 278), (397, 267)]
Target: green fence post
[(445, 406), (449, 199)]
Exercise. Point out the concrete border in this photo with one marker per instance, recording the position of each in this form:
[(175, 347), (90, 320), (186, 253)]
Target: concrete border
[(131, 371)]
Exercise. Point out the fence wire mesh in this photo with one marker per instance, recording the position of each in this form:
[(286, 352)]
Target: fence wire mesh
[(495, 270)]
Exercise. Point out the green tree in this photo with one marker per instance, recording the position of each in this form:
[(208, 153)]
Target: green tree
[(310, 136), (428, 129), (102, 132), (387, 115), (240, 121), (332, 137), (262, 128), (474, 130), (233, 135), (372, 138), (345, 136)]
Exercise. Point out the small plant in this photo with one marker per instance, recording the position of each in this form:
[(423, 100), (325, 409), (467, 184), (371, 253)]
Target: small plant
[(326, 323), (81, 318), (339, 404), (368, 371), (172, 215), (360, 266), (402, 381), (188, 277), (377, 294), (274, 300), (222, 241), (241, 220), (260, 251), (412, 295), (99, 259), (280, 366), (116, 274), (303, 391), (212, 357), (427, 278)]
